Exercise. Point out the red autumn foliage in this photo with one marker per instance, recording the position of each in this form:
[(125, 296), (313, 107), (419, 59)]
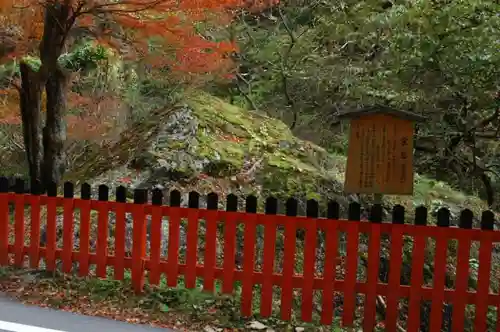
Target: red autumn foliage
[(155, 32), (126, 26)]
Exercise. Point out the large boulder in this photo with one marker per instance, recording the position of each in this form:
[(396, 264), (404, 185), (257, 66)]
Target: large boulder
[(205, 144)]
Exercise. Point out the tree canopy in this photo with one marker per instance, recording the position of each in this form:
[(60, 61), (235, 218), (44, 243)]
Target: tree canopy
[(160, 33), (308, 60)]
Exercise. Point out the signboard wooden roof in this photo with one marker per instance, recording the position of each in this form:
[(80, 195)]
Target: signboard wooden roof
[(381, 109), (380, 153)]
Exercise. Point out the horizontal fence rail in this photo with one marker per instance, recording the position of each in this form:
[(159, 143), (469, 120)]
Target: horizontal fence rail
[(85, 232)]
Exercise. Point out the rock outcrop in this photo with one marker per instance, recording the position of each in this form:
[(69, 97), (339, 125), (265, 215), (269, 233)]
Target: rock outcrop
[(205, 144)]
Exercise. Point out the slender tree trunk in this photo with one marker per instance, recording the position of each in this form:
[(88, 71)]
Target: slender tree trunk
[(30, 104), (57, 23), (54, 132)]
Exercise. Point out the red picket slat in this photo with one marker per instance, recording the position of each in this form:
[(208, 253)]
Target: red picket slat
[(174, 224), (229, 252), (119, 268), (138, 247), (84, 259), (248, 264), (417, 277), (498, 317), (210, 251), (19, 230), (102, 238), (329, 272), (192, 248), (68, 229), (288, 271), (351, 274), (266, 296), (155, 245), (4, 228), (396, 259), (461, 283), (309, 268), (439, 281), (483, 281), (35, 232), (372, 278), (51, 233)]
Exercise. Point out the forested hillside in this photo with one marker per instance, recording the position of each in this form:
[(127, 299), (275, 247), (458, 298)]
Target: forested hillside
[(243, 96), (305, 61)]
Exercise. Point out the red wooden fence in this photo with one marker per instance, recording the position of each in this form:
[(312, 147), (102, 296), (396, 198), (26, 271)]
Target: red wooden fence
[(18, 242)]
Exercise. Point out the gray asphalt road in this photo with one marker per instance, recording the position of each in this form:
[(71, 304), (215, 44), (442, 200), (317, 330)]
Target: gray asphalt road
[(17, 317)]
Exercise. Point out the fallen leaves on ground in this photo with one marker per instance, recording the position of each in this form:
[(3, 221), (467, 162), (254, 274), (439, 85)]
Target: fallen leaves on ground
[(69, 293)]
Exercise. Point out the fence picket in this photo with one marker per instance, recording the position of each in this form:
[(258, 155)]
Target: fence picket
[(86, 193), (102, 230), (396, 259), (417, 271), (312, 211), (68, 227), (35, 225), (4, 221), (192, 239), (156, 237), (266, 296), (19, 228), (139, 239), (174, 224), (329, 268), (288, 260), (51, 229), (351, 264), (483, 280), (441, 248), (373, 267), (248, 256), (462, 274), (229, 244), (121, 199), (210, 242)]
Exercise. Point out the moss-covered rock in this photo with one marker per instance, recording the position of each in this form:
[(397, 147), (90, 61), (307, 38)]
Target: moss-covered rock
[(206, 144)]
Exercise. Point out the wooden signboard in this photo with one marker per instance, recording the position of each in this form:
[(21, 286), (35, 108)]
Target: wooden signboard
[(380, 155)]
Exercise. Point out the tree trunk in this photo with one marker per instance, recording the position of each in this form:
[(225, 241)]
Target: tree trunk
[(30, 104), (54, 132), (58, 22)]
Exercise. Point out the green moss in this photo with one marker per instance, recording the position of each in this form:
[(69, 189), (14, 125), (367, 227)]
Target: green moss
[(221, 116), (288, 162), (215, 114), (426, 188), (284, 183), (215, 149), (230, 151), (228, 137), (177, 145)]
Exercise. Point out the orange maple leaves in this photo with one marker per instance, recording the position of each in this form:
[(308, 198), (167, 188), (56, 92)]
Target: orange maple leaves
[(186, 35), (132, 22)]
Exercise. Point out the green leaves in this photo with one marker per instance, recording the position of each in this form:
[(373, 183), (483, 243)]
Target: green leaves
[(414, 53), (85, 56), (439, 58)]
